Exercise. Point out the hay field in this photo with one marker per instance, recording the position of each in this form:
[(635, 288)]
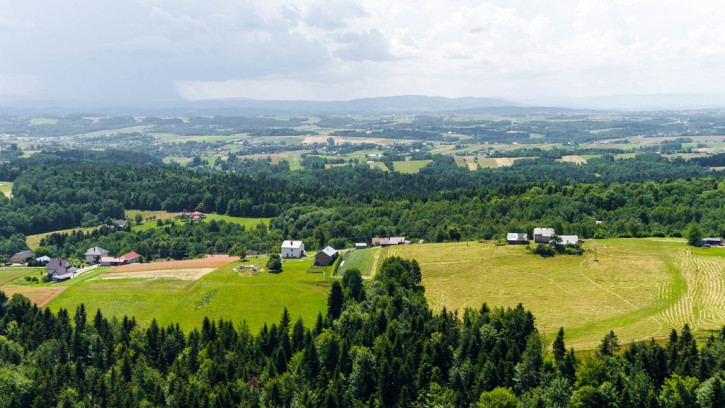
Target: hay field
[(639, 288), (471, 162), (33, 241), (40, 295), (362, 259), (410, 166)]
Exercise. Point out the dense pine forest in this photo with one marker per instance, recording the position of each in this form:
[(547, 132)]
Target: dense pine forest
[(378, 345)]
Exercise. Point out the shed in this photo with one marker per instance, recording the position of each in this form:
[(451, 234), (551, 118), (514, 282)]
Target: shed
[(568, 239), (360, 245), (326, 256), (22, 257), (110, 261), (709, 241), (517, 238), (293, 249)]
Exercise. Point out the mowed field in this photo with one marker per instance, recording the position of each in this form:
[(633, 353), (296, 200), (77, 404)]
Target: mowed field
[(640, 288), (185, 292)]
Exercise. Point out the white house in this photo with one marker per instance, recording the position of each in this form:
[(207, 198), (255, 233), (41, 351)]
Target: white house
[(293, 249)]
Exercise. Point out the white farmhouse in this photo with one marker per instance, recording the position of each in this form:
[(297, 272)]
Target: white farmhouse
[(293, 249)]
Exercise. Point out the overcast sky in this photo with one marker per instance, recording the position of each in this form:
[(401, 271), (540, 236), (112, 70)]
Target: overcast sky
[(128, 51)]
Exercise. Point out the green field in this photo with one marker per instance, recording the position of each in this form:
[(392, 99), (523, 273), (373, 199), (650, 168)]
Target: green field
[(6, 188), (379, 165), (9, 274), (640, 288), (223, 293), (362, 259), (410, 166), (247, 222)]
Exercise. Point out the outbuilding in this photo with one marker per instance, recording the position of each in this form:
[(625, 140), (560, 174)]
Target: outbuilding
[(568, 239), (326, 256), (293, 249), (517, 238), (543, 235), (709, 241), (94, 255), (360, 245), (22, 257)]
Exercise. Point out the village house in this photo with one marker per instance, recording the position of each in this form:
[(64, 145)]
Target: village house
[(326, 256), (293, 249), (517, 238), (60, 270), (22, 257), (94, 255), (383, 242), (543, 235)]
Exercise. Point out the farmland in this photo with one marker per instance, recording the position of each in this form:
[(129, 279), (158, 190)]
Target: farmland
[(362, 259), (196, 292), (639, 288)]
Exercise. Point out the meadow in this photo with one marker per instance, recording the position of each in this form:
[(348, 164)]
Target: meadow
[(223, 292), (162, 215), (640, 288), (362, 259)]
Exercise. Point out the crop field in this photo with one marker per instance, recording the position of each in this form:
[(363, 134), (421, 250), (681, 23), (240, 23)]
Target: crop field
[(640, 288), (6, 188), (362, 259), (226, 291), (573, 159)]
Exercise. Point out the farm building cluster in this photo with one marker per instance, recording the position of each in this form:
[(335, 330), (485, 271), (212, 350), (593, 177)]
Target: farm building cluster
[(541, 236)]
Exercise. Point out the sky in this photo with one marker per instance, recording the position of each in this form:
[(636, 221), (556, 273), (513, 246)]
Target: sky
[(143, 51)]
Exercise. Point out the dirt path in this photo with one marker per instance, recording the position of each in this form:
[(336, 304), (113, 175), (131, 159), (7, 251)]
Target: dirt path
[(375, 264)]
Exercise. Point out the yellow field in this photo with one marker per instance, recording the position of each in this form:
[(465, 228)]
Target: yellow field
[(639, 288), (573, 159)]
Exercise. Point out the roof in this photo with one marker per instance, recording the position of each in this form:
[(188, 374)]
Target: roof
[(547, 232), (357, 244), (44, 258), (129, 256), (569, 239), (110, 259), (24, 254), (292, 244), (96, 251), (329, 251), (196, 213), (517, 236), (57, 264), (397, 240)]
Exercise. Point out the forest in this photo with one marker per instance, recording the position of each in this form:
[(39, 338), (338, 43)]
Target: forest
[(378, 344), (644, 196)]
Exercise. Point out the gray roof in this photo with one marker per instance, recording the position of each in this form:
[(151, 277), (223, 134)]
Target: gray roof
[(547, 232), (329, 251), (44, 258), (517, 236), (569, 239), (24, 254), (96, 251), (292, 244)]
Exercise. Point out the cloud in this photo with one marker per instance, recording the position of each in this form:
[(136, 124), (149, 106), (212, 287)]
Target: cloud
[(163, 50)]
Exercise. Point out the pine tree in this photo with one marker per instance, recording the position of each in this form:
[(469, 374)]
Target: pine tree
[(334, 301), (558, 347)]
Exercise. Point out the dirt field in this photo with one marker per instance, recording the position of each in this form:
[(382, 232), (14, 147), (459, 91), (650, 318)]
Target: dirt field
[(471, 162), (183, 274), (214, 262), (39, 295)]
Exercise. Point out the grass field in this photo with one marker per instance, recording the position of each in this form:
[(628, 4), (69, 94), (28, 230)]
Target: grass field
[(362, 259), (379, 165), (410, 166), (222, 292), (6, 188), (160, 215), (33, 241), (639, 288)]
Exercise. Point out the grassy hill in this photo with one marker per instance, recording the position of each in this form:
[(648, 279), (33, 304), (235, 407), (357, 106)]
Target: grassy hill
[(639, 288)]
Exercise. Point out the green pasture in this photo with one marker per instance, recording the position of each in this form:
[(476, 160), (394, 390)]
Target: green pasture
[(223, 293), (6, 188), (410, 166), (640, 288)]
